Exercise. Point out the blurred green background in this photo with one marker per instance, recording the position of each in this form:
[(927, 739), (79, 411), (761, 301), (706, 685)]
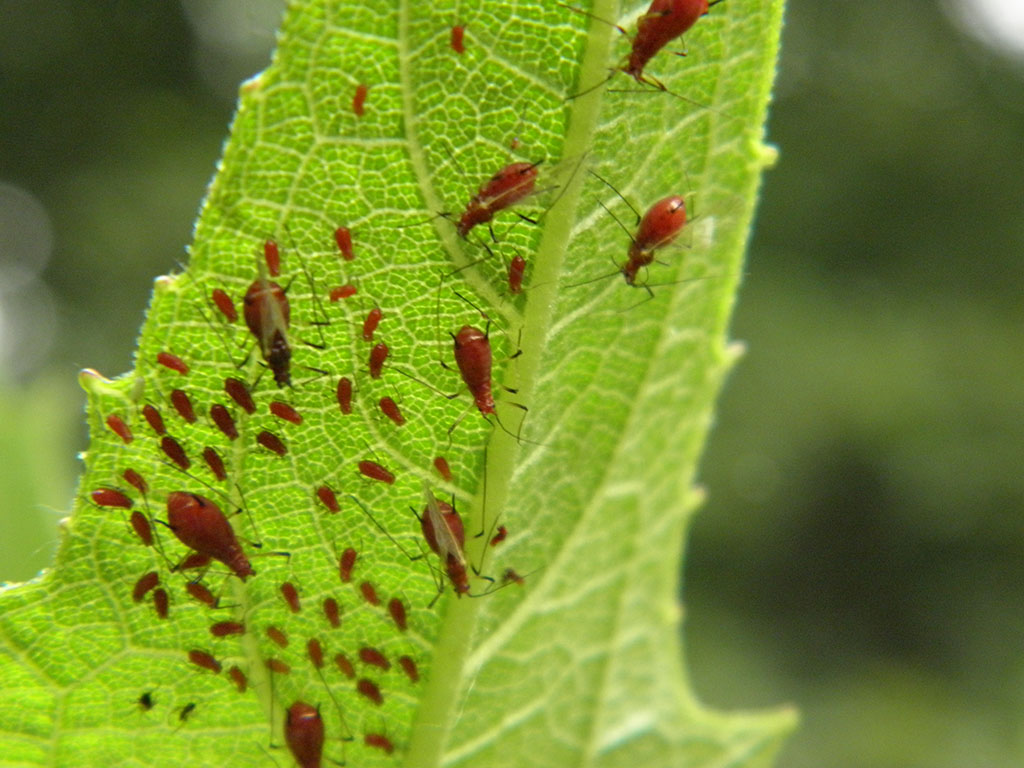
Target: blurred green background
[(861, 554)]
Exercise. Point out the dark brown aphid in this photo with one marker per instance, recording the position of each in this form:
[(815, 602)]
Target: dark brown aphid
[(331, 611), (268, 315), (374, 658), (161, 602), (187, 710), (154, 418), (344, 665), (285, 412), (291, 596), (175, 363), (225, 628), (377, 357), (390, 409), (224, 421), (200, 525), (359, 99), (371, 322), (204, 660), (238, 392), (140, 524), (173, 450), (110, 497), (345, 395), (342, 292), (240, 680), (278, 636), (145, 583), (397, 610), (315, 652), (499, 536), (304, 732), (343, 238), (278, 667), (183, 405), (271, 442), (146, 701), (135, 480), (370, 690), (441, 465), (409, 667), (215, 463), (199, 592), (224, 303), (379, 741), (369, 593), (375, 471), (116, 425), (346, 563), (511, 576), (327, 498)]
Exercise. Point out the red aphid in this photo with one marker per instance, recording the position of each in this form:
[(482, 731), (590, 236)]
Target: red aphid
[(135, 480), (473, 356), (377, 357), (660, 226), (173, 450), (345, 395), (441, 465), (272, 255), (375, 471), (664, 21), (343, 238), (332, 612), (140, 524), (145, 583), (240, 394), (239, 678), (315, 652), (200, 525), (271, 442), (183, 406), (173, 362), (161, 602), (505, 188), (268, 315), (224, 303), (215, 463), (458, 42), (278, 636), (379, 741), (193, 561), (204, 660), (359, 99), (199, 592), (343, 292), (154, 418), (397, 610), (279, 667), (346, 563), (327, 498), (410, 668), (304, 732), (285, 412), (224, 420), (344, 665), (390, 409), (291, 596), (109, 497), (225, 628), (374, 658), (370, 690), (516, 270), (369, 593), (443, 530), (511, 576), (499, 536), (119, 428), (371, 322)]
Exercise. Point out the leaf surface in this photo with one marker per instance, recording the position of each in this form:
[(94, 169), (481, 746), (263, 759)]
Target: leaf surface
[(581, 664)]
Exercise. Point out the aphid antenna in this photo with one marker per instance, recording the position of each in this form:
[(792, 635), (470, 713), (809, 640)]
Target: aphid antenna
[(589, 15), (622, 197), (317, 302), (384, 530)]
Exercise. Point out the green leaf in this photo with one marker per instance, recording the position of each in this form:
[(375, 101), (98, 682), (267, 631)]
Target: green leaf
[(579, 665)]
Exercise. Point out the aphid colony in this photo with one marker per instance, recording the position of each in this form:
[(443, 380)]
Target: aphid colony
[(210, 428)]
